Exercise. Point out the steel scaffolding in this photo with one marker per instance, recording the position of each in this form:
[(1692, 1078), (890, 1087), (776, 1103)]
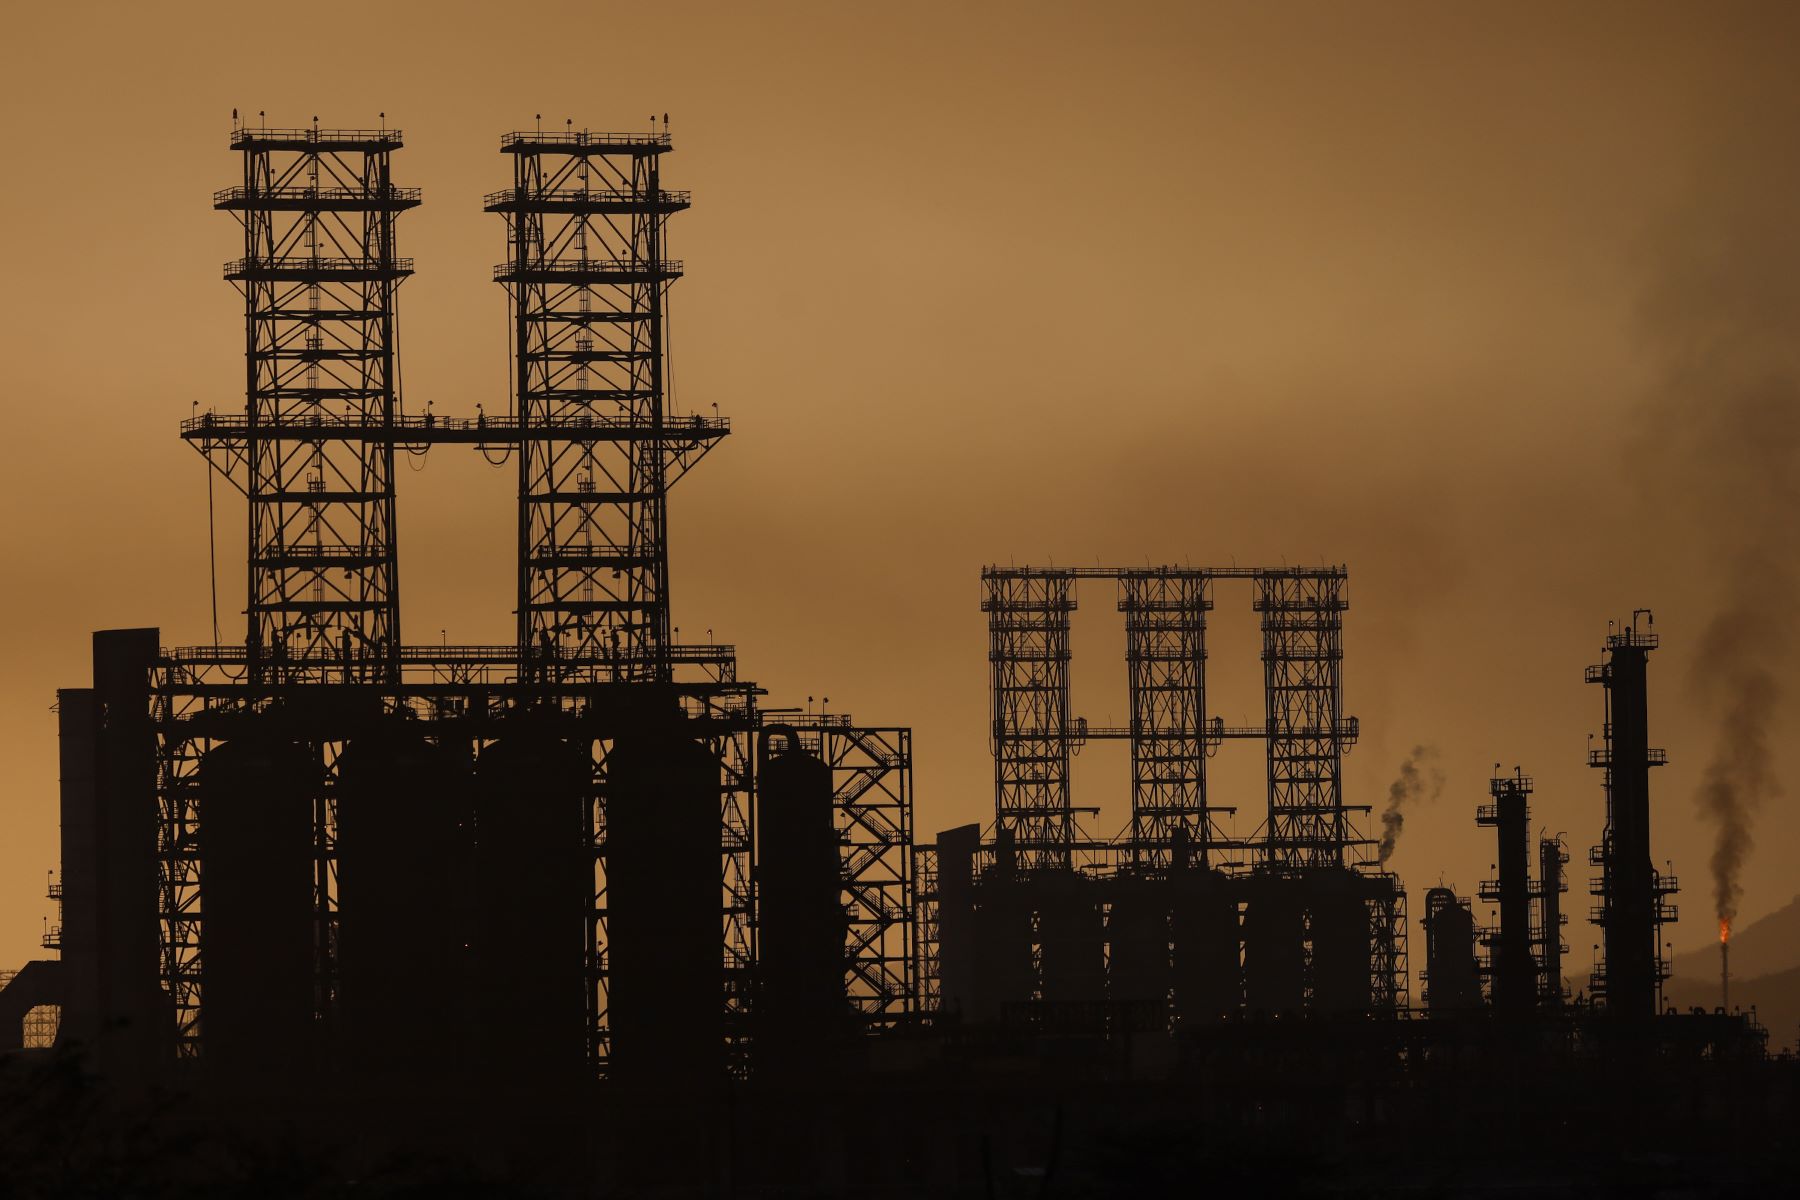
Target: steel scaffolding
[(1035, 734), (598, 451), (319, 275), (1303, 652), (1165, 652), (587, 275), (1389, 977), (927, 933), (461, 694), (871, 771), (1028, 656)]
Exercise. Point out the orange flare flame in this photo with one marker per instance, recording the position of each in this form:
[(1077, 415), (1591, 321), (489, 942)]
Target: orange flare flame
[(1724, 930)]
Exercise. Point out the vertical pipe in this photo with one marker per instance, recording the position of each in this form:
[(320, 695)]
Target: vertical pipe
[(1631, 899), (134, 1017), (1550, 885)]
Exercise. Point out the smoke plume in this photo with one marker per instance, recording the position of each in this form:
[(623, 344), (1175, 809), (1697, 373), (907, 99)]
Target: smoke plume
[(1720, 450), (1419, 779), (1733, 676)]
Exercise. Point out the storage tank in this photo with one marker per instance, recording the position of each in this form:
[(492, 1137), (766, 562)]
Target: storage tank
[(1452, 980), (1071, 933), (801, 920), (1275, 947), (957, 962), (1209, 982), (1004, 972), (1340, 935), (535, 876), (1139, 959), (258, 919), (665, 905), (404, 845)]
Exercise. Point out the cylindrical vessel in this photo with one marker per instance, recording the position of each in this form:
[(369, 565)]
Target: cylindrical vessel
[(1452, 980), (1340, 936), (801, 921), (535, 871), (1139, 959), (1071, 941), (1275, 948), (258, 916), (404, 846), (1004, 972), (665, 906), (1209, 982)]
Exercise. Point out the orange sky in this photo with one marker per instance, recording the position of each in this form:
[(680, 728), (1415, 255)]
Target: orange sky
[(1411, 287)]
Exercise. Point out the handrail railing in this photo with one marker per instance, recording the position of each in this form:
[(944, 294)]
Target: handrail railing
[(337, 265), (526, 137), (227, 423), (389, 192), (602, 195), (576, 267), (713, 652), (246, 133)]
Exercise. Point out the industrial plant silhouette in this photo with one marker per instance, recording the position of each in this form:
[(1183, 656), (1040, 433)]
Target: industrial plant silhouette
[(583, 914)]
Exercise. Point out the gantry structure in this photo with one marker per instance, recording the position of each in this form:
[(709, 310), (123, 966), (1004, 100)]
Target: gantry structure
[(587, 273), (1034, 733), (320, 276), (1177, 833)]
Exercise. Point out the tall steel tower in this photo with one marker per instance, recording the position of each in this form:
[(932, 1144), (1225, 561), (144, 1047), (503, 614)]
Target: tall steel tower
[(1165, 652), (1303, 656), (319, 276), (598, 448), (1634, 895), (1028, 652)]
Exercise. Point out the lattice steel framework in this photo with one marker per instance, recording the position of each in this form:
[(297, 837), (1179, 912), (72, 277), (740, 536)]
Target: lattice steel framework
[(466, 693), (1165, 654), (1302, 627), (319, 275), (926, 934), (1388, 973), (872, 788), (1028, 656), (598, 448)]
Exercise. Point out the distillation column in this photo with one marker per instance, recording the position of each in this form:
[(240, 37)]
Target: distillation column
[(1632, 892), (1552, 858), (1511, 968)]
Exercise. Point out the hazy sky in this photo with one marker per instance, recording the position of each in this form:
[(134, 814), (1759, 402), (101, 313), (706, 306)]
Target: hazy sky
[(1495, 304)]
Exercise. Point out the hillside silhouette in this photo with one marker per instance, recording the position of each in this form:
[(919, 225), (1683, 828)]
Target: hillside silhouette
[(1768, 945)]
